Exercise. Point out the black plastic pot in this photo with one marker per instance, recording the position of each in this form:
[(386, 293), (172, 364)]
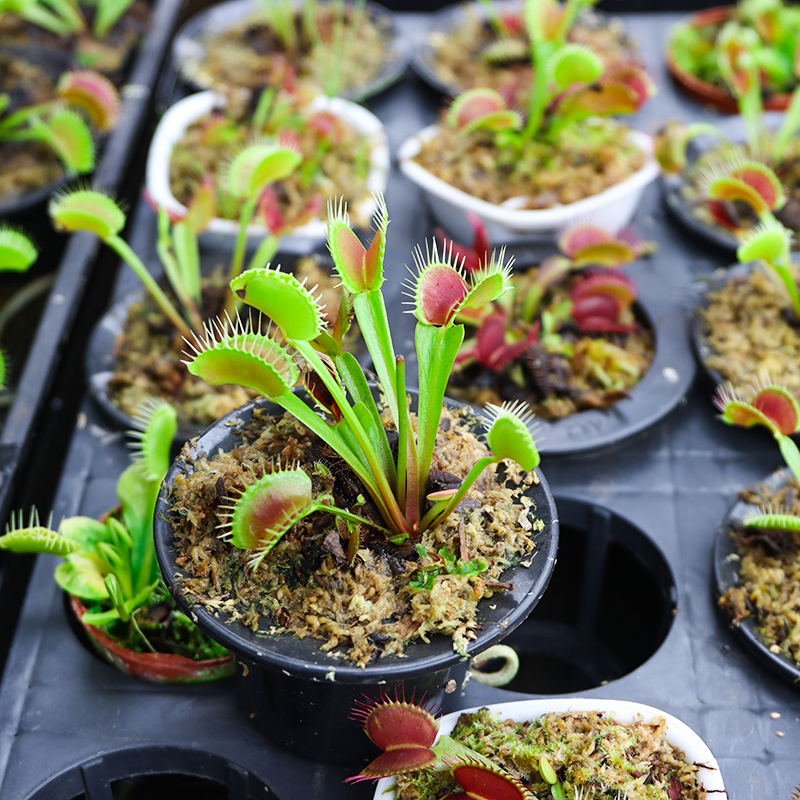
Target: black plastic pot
[(661, 389), (726, 575), (188, 48), (300, 696)]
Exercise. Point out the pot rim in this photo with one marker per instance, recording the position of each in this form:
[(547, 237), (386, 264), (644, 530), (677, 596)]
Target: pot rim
[(188, 47), (303, 657), (302, 239), (524, 220), (680, 734), (703, 91), (726, 575)]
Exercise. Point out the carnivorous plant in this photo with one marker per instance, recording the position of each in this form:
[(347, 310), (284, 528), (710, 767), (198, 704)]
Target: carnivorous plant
[(233, 352), (60, 123), (66, 17)]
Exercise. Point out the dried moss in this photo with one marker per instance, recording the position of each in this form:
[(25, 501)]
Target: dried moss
[(769, 574), (593, 755), (585, 159), (305, 584), (748, 331)]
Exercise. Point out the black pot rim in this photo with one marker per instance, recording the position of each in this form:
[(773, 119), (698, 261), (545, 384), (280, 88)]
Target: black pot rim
[(659, 392), (726, 574), (213, 19), (303, 658)]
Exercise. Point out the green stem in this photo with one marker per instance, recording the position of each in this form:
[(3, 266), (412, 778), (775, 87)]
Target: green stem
[(433, 516), (340, 512), (790, 453), (120, 246), (245, 216), (22, 297), (540, 95)]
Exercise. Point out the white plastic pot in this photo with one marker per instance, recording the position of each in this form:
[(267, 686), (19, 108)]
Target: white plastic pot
[(612, 208), (679, 733), (303, 239)]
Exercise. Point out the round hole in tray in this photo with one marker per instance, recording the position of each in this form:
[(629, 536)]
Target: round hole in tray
[(145, 773), (609, 605)]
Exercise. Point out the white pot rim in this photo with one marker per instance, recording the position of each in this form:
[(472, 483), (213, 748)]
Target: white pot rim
[(176, 121), (518, 219), (679, 733)]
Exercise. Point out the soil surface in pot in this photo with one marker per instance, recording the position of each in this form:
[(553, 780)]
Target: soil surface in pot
[(769, 573), (247, 52), (749, 327), (472, 53), (590, 752), (25, 166), (336, 161), (565, 372), (739, 213), (585, 159), (322, 580), (149, 355), (108, 54)]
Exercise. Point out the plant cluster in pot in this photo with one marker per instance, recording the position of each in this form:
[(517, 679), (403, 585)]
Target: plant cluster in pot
[(769, 30), (344, 149), (769, 144), (487, 44), (99, 35), (748, 319), (543, 749), (109, 571), (530, 176), (757, 552), (371, 528), (136, 350), (347, 49), (47, 127)]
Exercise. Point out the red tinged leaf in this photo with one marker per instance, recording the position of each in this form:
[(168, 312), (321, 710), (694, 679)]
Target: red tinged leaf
[(440, 292), (396, 762), (634, 77), (780, 407), (610, 284), (491, 348), (481, 783), (466, 255), (472, 105), (269, 210), (327, 125), (763, 180), (580, 237), (719, 211), (350, 249), (400, 725), (471, 258)]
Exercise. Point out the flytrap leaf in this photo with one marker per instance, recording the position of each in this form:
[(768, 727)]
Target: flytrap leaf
[(87, 210), (202, 207), (404, 731), (751, 182), (17, 251), (481, 782), (510, 436), (284, 299), (236, 354), (70, 137), (781, 520), (361, 270), (507, 120), (591, 244), (489, 282), (158, 421), (602, 100), (504, 51), (258, 165), (472, 105), (94, 94), (268, 508), (574, 63), (612, 284), (34, 538), (767, 242), (439, 292), (765, 404)]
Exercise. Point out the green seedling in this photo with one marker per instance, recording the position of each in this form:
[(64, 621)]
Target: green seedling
[(66, 17), (250, 172), (236, 353), (84, 98), (111, 564)]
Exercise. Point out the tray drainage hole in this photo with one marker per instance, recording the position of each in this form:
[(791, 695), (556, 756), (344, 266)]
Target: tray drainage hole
[(609, 606), (155, 772)]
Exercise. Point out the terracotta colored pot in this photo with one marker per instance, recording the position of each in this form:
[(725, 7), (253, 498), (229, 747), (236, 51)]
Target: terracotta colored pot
[(705, 92), (157, 667)]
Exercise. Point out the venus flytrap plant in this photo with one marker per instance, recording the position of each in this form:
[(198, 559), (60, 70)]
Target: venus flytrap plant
[(66, 17), (251, 170), (235, 353), (111, 564), (60, 123)]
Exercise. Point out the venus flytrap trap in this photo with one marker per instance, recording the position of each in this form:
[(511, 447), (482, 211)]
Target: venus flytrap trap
[(60, 123), (235, 353)]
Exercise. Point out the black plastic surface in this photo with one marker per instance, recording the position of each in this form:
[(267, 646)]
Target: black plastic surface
[(59, 706)]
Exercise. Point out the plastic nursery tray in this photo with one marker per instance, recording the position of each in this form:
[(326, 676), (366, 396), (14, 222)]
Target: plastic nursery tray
[(63, 712), (62, 319)]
